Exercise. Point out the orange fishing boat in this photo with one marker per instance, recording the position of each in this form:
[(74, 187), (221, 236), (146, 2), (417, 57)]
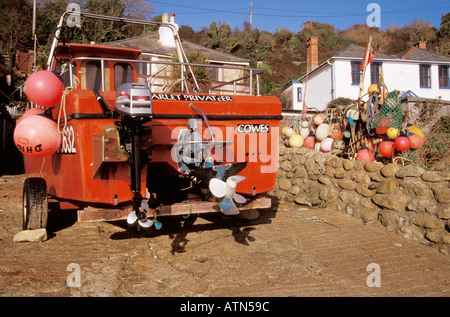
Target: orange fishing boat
[(130, 150)]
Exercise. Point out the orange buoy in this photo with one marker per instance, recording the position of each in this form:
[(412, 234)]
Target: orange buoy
[(336, 131), (416, 130), (310, 141), (37, 136), (319, 119), (386, 147), (44, 88), (365, 155), (416, 141), (402, 143)]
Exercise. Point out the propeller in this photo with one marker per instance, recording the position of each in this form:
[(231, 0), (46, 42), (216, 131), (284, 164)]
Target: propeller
[(225, 191), (133, 218)]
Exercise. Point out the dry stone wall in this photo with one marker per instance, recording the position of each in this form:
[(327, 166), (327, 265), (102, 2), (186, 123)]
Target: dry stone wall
[(408, 200)]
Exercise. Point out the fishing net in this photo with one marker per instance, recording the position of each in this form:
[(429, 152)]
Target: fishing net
[(407, 157), (391, 113)]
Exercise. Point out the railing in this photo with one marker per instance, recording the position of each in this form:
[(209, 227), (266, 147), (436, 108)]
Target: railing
[(244, 84)]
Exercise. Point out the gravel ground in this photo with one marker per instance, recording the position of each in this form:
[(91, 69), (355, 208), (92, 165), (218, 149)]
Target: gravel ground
[(285, 253)]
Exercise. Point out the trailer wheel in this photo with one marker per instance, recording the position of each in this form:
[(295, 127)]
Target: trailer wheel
[(34, 204)]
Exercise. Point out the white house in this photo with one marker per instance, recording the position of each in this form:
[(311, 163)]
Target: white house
[(417, 72)]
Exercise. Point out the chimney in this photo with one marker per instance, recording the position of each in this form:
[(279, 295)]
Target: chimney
[(422, 45), (166, 34), (312, 53)]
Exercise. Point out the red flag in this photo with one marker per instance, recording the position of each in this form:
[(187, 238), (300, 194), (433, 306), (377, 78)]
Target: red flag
[(368, 57)]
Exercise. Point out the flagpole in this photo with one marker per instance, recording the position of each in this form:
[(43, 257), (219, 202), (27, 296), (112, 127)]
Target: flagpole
[(34, 37), (356, 139), (366, 59)]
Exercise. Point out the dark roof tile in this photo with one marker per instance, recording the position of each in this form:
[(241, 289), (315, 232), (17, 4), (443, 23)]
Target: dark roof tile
[(419, 54), (356, 51), (413, 54)]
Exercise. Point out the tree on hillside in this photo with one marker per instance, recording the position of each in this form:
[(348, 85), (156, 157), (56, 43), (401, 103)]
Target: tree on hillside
[(444, 30), (418, 31), (220, 37), (49, 12), (443, 45), (247, 39), (400, 39), (187, 33), (360, 33), (15, 35), (396, 41), (15, 25), (266, 45)]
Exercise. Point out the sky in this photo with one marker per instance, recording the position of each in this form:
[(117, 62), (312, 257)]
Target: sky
[(270, 15)]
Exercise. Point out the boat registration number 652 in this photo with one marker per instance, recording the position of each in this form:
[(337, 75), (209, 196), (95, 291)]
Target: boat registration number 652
[(67, 141)]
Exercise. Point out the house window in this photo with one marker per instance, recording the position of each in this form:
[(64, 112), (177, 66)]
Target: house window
[(375, 72), (356, 73), (425, 76), (299, 94), (215, 73), (444, 76)]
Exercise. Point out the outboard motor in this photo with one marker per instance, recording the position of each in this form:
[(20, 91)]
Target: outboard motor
[(134, 104), (134, 100)]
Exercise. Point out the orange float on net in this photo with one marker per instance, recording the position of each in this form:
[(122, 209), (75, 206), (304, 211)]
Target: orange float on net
[(37, 136), (402, 143), (365, 155), (416, 141), (386, 147), (319, 119), (416, 130), (310, 141), (336, 131)]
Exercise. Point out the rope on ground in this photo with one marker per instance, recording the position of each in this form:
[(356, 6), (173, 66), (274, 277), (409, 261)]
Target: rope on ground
[(325, 156), (313, 219)]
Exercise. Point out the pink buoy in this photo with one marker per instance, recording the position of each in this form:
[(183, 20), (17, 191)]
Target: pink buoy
[(326, 144), (44, 88), (37, 136), (30, 112)]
